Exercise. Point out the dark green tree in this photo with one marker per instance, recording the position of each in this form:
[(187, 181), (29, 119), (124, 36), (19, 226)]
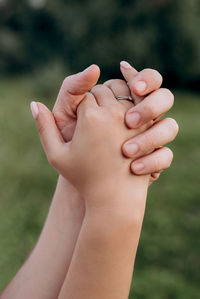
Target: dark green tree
[(161, 34)]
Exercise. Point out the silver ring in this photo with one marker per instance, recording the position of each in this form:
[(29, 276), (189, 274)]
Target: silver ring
[(128, 98)]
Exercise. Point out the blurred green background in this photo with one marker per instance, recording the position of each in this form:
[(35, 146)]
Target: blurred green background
[(41, 42)]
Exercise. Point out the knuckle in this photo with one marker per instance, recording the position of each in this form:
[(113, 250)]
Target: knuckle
[(150, 70), (90, 114), (144, 144), (117, 112), (149, 143), (153, 73), (115, 82), (149, 108), (109, 82), (96, 88)]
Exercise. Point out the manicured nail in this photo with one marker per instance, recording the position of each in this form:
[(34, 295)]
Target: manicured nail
[(140, 86), (137, 167), (125, 65), (133, 119), (34, 109), (131, 148)]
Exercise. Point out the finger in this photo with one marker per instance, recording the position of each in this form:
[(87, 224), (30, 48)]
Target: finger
[(120, 88), (103, 95), (72, 92), (161, 133), (80, 83), (146, 81), (154, 177), (153, 163), (50, 136), (88, 102), (153, 106), (129, 73), (127, 70)]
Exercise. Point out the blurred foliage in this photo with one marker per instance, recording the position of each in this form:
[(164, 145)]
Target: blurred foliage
[(50, 39), (162, 34), (167, 264)]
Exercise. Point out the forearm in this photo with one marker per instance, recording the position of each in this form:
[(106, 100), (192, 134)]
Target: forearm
[(43, 273), (103, 259)]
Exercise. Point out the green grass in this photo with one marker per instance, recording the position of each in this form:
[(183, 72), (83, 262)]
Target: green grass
[(168, 262)]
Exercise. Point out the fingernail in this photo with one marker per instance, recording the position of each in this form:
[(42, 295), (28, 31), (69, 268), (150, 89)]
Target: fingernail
[(34, 109), (131, 148), (133, 119), (140, 86), (137, 167), (125, 65)]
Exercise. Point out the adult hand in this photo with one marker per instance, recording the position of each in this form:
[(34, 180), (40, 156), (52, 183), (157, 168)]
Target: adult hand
[(146, 149), (73, 92)]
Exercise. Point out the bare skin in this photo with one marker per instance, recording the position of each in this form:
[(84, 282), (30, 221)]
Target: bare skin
[(103, 258), (104, 199), (67, 199)]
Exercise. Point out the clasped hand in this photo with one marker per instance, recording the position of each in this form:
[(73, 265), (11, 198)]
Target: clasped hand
[(143, 144)]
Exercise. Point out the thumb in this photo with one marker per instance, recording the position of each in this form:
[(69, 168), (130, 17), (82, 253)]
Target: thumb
[(72, 92), (50, 136), (74, 88), (82, 82)]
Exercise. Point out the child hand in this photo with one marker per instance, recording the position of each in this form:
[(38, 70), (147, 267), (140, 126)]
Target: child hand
[(93, 157)]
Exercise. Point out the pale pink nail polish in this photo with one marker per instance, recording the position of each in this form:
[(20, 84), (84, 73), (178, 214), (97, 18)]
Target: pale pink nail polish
[(125, 65), (140, 86), (34, 109)]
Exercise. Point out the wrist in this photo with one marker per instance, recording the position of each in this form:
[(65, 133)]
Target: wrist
[(67, 200), (125, 201), (113, 229), (65, 191)]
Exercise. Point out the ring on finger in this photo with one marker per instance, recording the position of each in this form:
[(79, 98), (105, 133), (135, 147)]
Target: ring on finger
[(128, 98)]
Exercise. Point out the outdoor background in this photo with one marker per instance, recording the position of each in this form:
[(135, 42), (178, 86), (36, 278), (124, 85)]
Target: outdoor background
[(43, 41)]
